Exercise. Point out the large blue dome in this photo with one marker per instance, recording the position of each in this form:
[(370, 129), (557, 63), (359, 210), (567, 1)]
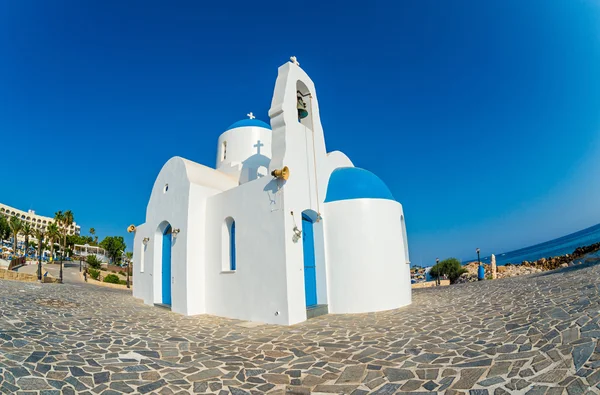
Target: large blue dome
[(249, 122), (348, 183)]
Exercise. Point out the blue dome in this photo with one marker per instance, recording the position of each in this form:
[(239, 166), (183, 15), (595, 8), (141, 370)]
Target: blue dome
[(249, 122), (348, 183)]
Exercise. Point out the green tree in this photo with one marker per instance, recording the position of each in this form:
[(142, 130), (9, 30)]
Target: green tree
[(53, 234), (15, 226), (64, 221), (93, 262), (38, 233), (26, 231), (93, 233), (450, 267), (4, 228), (114, 246), (80, 240)]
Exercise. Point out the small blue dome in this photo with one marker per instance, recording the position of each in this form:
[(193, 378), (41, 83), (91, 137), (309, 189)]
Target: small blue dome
[(348, 183), (249, 122)]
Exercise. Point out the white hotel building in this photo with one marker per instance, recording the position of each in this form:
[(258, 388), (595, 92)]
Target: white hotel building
[(36, 221)]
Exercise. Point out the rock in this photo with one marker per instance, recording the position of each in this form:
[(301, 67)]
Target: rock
[(564, 265)]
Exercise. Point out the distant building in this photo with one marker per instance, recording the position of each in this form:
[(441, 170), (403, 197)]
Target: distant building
[(36, 221)]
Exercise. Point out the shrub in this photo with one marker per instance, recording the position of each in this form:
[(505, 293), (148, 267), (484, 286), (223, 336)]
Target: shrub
[(122, 282), (94, 262), (450, 267), (112, 278), (122, 273), (94, 273)]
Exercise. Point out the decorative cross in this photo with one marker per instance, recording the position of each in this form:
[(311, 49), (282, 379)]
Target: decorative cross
[(258, 145), (250, 115), (294, 60)]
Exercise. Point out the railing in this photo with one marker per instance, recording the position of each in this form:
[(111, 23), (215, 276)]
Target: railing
[(16, 262)]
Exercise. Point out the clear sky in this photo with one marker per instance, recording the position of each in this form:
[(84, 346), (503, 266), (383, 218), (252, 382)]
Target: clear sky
[(483, 117)]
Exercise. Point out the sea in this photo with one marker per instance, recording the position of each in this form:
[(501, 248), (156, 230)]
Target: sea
[(561, 246)]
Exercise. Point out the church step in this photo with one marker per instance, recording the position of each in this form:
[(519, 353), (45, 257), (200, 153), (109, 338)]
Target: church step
[(316, 310), (163, 306)]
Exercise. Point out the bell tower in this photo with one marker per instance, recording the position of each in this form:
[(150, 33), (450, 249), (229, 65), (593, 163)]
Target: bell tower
[(298, 152)]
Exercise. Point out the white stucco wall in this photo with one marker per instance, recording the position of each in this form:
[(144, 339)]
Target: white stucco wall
[(182, 206), (367, 270), (257, 290), (248, 153)]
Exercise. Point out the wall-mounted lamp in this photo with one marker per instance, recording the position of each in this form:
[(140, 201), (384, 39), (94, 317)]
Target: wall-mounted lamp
[(176, 231), (146, 240), (131, 228), (297, 232)]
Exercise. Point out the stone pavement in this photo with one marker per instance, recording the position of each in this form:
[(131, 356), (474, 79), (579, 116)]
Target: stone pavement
[(536, 334)]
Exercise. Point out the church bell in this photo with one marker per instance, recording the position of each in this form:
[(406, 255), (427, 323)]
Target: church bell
[(302, 113)]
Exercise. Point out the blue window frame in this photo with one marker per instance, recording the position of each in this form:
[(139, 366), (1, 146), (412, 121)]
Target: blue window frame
[(232, 262)]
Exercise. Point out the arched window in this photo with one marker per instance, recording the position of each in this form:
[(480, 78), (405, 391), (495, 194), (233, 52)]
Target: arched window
[(224, 151), (228, 244)]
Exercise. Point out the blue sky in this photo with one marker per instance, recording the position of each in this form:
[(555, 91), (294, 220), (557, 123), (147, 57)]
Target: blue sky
[(482, 117)]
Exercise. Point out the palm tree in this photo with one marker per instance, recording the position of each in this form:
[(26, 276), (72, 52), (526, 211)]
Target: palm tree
[(93, 233), (67, 222), (59, 219), (53, 234), (38, 233), (15, 225), (26, 231)]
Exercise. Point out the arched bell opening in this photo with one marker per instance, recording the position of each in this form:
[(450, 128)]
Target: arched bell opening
[(304, 105)]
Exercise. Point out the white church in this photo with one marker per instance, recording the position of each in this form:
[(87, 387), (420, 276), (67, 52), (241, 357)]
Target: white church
[(281, 230)]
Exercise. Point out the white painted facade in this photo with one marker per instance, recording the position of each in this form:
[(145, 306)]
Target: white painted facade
[(358, 242)]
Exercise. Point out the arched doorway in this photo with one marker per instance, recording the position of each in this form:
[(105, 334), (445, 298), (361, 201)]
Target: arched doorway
[(166, 265), (310, 270)]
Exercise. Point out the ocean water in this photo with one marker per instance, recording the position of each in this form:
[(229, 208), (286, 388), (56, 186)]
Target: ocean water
[(561, 246)]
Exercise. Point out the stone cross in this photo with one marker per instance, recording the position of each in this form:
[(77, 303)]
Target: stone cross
[(294, 61), (494, 268), (250, 115), (258, 145)]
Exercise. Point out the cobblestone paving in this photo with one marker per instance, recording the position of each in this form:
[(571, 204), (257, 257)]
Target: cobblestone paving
[(537, 335)]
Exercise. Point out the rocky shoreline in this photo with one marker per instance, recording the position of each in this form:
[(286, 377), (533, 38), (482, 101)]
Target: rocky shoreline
[(527, 267)]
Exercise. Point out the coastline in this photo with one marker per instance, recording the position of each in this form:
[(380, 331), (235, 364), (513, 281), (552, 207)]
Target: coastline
[(578, 256)]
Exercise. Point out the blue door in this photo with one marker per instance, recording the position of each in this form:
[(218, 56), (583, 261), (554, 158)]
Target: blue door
[(310, 273), (166, 266)]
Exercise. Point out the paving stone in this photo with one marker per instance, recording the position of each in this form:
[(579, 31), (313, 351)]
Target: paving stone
[(411, 385), (394, 374), (491, 381), (581, 354), (468, 378), (537, 390), (352, 374), (335, 388), (387, 389), (32, 383)]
